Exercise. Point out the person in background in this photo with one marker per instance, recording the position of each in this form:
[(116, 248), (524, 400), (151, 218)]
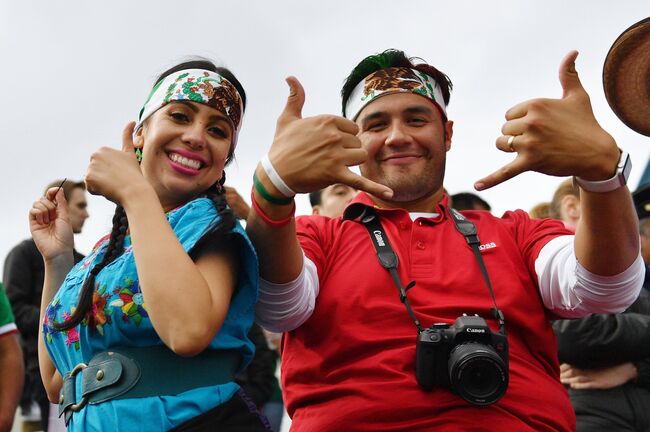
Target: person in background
[(236, 202), (259, 380), (540, 211), (565, 204), (23, 278), (606, 357), (469, 201), (11, 365), (332, 200)]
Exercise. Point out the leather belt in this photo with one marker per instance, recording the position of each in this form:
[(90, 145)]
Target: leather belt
[(137, 372)]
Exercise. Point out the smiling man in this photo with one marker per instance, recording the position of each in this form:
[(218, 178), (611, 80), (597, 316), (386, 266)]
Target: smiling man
[(399, 317)]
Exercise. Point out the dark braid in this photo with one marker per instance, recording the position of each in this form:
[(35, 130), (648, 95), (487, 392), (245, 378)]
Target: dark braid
[(114, 249), (220, 231)]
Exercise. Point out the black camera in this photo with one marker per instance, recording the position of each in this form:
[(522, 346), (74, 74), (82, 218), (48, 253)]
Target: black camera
[(467, 357)]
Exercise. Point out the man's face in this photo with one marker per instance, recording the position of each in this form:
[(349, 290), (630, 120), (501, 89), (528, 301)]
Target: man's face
[(333, 200), (77, 209), (404, 136)]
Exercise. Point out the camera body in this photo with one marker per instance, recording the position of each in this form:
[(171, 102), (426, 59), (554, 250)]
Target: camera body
[(467, 358)]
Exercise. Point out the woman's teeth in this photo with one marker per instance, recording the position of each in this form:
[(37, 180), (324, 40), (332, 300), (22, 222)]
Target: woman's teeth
[(189, 163)]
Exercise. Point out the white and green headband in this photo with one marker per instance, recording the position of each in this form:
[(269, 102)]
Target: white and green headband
[(390, 81), (196, 85)]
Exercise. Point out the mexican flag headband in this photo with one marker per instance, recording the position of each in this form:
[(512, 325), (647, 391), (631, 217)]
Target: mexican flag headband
[(390, 81), (196, 85)]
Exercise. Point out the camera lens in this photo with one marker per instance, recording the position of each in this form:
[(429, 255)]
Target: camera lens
[(477, 373)]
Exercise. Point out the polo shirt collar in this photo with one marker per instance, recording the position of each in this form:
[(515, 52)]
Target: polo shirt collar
[(362, 200)]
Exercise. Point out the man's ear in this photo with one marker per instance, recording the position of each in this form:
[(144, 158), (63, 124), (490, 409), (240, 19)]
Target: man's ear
[(571, 206), (449, 131), (315, 210), (138, 141)]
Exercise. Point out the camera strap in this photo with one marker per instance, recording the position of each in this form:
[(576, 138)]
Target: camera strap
[(388, 259)]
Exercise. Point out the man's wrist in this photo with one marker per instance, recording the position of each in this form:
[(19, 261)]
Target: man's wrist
[(267, 190), (618, 180)]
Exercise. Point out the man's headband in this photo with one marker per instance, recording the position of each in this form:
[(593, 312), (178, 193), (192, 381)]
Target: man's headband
[(393, 80), (196, 85)]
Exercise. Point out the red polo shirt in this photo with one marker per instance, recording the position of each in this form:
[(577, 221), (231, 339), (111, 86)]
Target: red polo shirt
[(351, 365)]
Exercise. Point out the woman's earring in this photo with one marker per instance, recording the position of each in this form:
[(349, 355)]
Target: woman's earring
[(138, 155), (220, 183)]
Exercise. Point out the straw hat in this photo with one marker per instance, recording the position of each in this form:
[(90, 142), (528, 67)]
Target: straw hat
[(626, 77)]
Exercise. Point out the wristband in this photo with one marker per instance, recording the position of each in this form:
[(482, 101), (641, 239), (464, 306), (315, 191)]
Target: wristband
[(259, 187), (267, 219), (623, 169), (275, 178)]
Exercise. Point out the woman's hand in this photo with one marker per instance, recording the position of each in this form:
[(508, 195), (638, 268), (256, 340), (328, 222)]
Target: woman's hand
[(111, 172), (50, 225)]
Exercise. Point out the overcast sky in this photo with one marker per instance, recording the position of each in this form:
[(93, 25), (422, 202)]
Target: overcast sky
[(75, 72)]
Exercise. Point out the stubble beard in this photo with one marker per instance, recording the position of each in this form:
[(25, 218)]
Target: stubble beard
[(408, 186)]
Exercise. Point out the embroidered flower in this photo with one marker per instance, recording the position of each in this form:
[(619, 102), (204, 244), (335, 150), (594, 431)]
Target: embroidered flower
[(72, 338), (99, 314), (131, 302), (50, 315)]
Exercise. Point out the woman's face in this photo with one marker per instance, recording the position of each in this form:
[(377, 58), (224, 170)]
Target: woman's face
[(184, 149)]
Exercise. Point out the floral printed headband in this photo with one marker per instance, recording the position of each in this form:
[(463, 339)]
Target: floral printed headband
[(196, 85), (389, 81)]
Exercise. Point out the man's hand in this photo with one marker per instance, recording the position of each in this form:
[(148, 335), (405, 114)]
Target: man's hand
[(602, 378), (237, 203), (312, 153), (558, 137)]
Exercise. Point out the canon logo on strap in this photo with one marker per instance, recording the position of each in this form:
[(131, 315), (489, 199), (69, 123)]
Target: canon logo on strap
[(379, 238)]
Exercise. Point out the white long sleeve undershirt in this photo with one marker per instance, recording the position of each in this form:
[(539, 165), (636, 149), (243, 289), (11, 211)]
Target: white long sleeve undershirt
[(566, 288)]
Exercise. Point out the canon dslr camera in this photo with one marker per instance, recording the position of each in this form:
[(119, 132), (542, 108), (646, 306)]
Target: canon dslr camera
[(467, 357)]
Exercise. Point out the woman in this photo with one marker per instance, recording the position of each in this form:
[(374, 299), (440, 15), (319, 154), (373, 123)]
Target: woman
[(154, 321)]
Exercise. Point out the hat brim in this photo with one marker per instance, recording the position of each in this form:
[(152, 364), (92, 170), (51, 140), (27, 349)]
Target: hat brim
[(626, 77)]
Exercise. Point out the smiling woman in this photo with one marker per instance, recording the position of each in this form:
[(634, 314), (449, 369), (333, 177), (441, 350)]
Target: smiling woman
[(173, 285)]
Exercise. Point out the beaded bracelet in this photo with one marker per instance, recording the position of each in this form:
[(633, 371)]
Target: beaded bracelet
[(275, 178), (259, 187), (266, 218)]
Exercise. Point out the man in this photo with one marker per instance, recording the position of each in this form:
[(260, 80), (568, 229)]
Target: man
[(349, 354), (565, 204), (23, 279), (469, 201), (606, 357), (332, 200), (11, 365)]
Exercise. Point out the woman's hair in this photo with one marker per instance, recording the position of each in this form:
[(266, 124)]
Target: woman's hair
[(216, 193)]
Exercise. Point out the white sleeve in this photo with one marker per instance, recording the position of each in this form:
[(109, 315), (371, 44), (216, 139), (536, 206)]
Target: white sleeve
[(571, 291), (284, 307)]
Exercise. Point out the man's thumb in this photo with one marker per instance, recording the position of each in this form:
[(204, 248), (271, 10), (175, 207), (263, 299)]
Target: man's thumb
[(569, 78), (293, 110)]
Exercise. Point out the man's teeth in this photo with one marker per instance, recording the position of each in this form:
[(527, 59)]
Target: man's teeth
[(190, 163)]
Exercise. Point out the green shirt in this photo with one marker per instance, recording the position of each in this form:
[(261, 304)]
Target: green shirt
[(7, 324)]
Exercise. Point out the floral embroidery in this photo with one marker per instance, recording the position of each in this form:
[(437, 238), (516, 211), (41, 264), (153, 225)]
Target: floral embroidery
[(50, 315), (99, 314), (72, 338), (71, 335), (217, 93), (130, 301)]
